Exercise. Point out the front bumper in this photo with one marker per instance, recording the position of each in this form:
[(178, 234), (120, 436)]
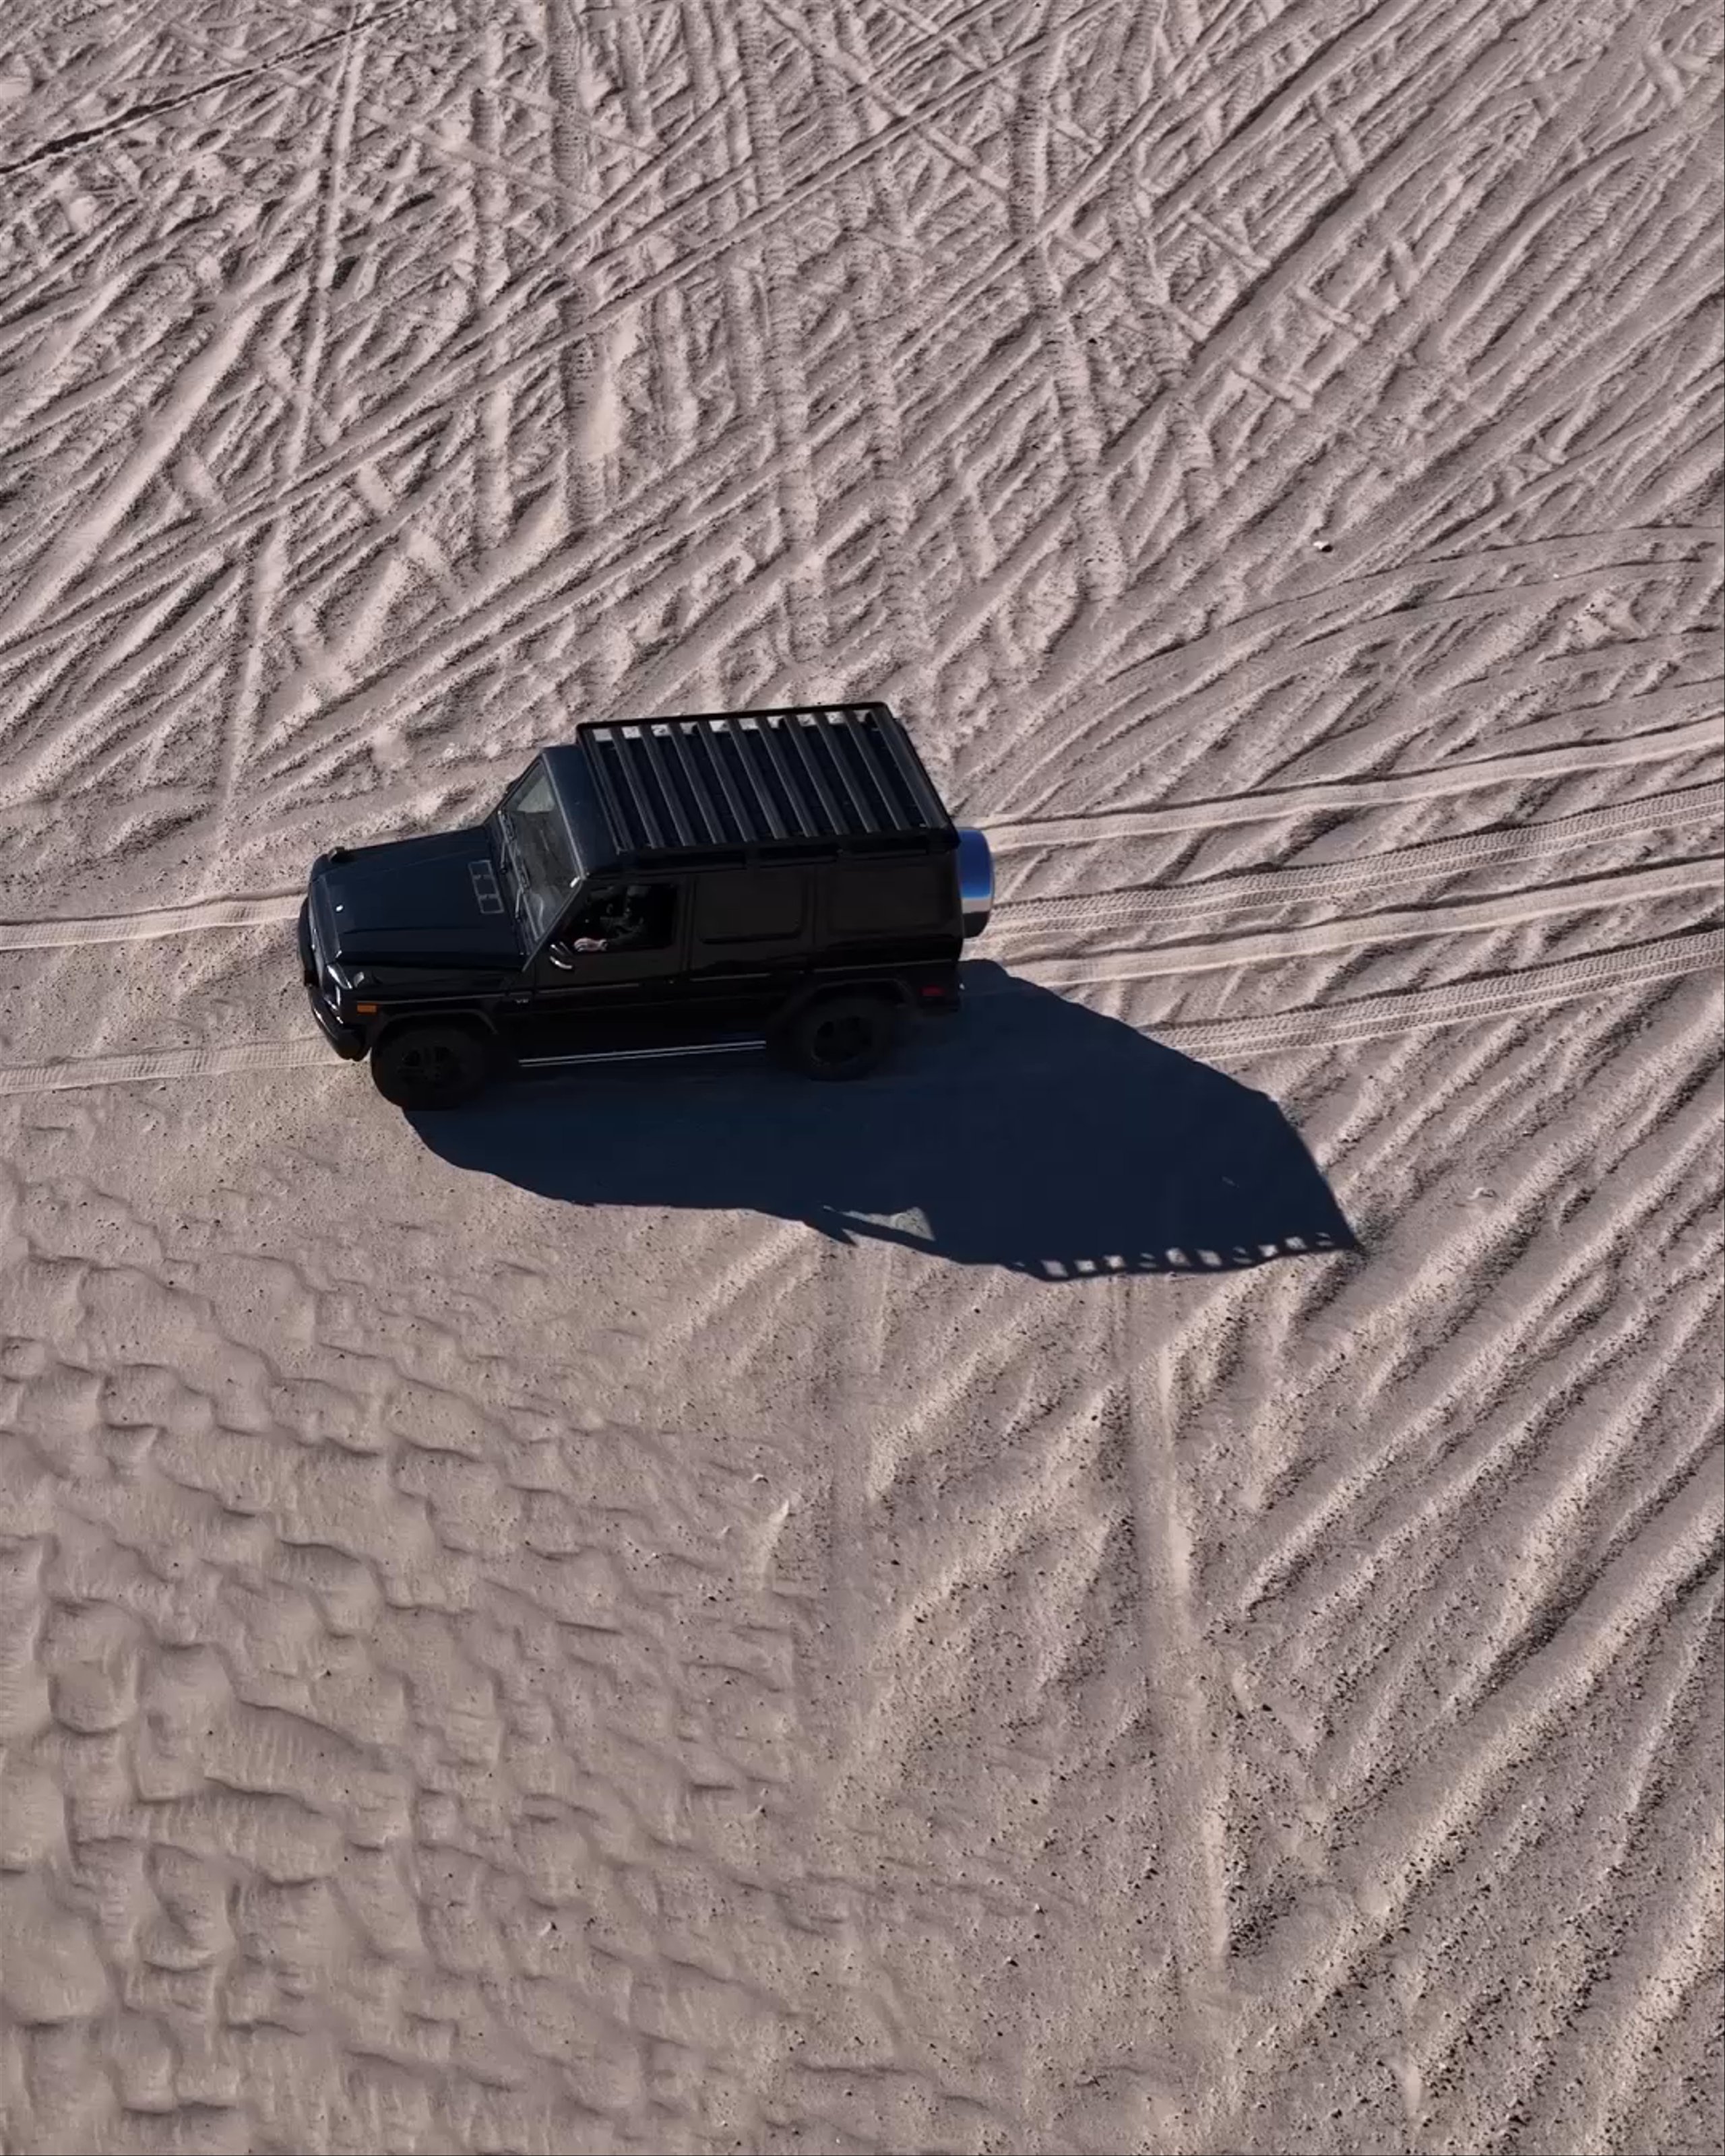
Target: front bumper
[(347, 1041)]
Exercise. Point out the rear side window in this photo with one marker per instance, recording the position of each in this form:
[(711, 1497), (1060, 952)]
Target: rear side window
[(751, 906), (888, 898)]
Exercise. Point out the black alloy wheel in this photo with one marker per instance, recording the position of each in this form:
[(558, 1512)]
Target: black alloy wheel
[(841, 1037), (430, 1066)]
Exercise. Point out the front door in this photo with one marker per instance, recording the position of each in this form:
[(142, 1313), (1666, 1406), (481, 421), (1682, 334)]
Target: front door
[(611, 978)]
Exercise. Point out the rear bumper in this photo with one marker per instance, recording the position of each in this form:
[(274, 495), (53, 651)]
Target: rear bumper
[(347, 1041)]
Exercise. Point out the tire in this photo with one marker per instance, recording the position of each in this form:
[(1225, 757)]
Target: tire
[(840, 1037), (430, 1066)]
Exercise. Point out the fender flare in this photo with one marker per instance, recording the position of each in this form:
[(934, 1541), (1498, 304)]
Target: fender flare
[(465, 1015), (814, 992)]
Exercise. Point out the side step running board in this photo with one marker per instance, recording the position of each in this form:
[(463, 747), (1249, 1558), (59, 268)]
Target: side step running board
[(636, 1054)]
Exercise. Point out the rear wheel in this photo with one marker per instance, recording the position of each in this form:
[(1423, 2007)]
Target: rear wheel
[(840, 1037), (430, 1066)]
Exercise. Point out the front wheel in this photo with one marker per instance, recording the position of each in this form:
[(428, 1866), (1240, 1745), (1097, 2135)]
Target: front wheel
[(841, 1037), (430, 1066)]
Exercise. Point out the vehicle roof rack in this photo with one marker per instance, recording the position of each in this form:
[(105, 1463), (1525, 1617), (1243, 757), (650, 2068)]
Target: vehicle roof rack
[(787, 777)]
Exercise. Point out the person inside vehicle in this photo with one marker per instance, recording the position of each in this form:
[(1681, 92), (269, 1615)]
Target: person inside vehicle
[(620, 924)]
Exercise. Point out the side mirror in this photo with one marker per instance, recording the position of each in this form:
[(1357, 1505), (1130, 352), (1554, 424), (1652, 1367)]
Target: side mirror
[(561, 956)]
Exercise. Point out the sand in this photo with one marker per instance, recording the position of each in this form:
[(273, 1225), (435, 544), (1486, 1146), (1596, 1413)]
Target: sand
[(1149, 1581)]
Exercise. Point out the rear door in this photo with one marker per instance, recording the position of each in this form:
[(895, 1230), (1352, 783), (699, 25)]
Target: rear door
[(750, 938), (628, 997)]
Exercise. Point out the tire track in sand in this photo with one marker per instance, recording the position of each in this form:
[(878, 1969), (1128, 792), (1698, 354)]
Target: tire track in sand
[(1358, 1355), (195, 920), (1701, 736), (1190, 1770), (1539, 988), (850, 1392), (1300, 885), (456, 374), (240, 1058), (804, 589), (1172, 610), (269, 576), (232, 319), (1274, 887), (1462, 916), (135, 115), (1305, 1960), (1464, 1003)]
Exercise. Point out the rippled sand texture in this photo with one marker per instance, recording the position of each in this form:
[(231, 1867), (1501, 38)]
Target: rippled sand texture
[(683, 1618)]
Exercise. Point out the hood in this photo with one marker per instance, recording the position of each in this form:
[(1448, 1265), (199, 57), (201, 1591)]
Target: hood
[(415, 902)]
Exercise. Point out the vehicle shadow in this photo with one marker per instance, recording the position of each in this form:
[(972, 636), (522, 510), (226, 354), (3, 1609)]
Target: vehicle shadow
[(1029, 1134)]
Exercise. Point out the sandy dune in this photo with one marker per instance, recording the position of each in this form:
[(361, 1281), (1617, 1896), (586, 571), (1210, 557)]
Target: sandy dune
[(673, 1616)]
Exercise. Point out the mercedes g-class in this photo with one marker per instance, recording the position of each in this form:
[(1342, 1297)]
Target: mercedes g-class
[(786, 880)]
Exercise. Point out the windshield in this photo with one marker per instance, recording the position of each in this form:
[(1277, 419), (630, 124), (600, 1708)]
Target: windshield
[(536, 852)]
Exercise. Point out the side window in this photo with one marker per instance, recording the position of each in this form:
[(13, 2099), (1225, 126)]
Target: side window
[(641, 917), (885, 898), (751, 906)]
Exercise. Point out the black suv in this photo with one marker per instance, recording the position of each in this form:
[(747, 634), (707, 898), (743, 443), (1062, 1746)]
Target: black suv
[(781, 879)]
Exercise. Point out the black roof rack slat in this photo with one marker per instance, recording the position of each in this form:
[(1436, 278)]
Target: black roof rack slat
[(855, 799), (708, 739), (756, 753), (712, 831), (615, 813), (852, 751), (808, 826), (629, 739), (657, 764), (800, 749), (757, 797), (922, 793)]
